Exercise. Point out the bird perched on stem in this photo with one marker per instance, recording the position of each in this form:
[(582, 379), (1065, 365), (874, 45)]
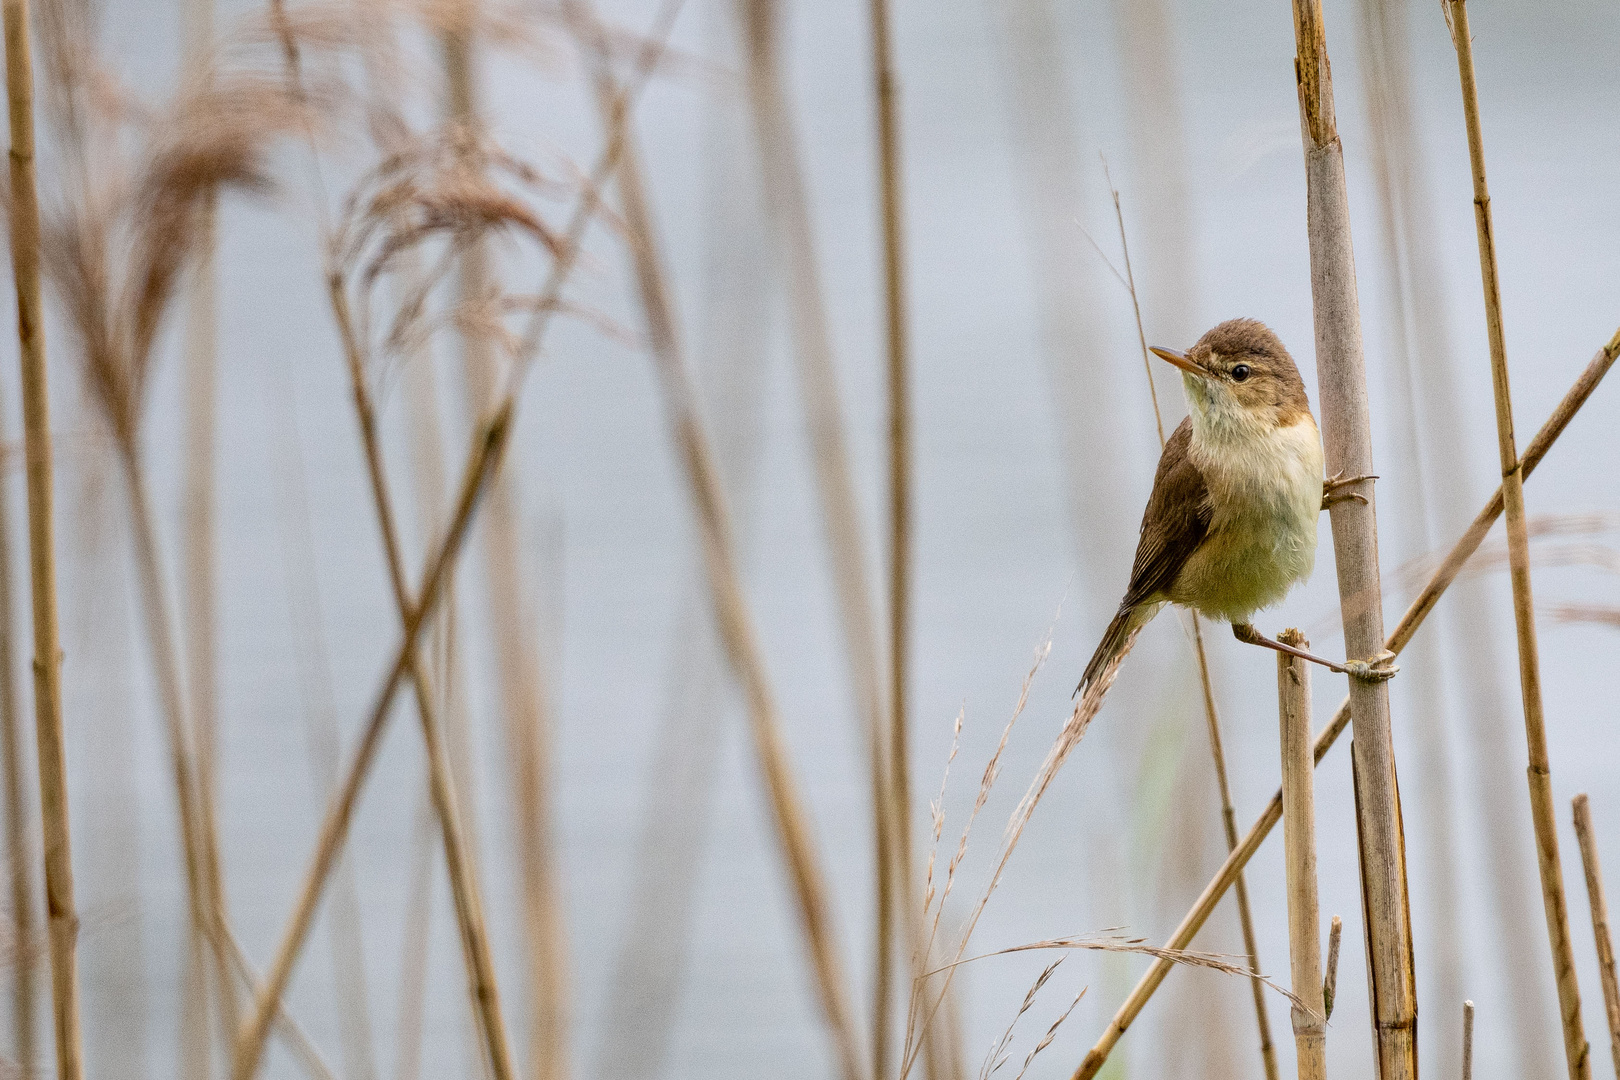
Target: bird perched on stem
[(1231, 524)]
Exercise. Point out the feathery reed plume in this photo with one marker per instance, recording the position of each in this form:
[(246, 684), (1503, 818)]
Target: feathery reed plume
[(1600, 921), (1414, 617), (1268, 1056), (1347, 444), (793, 829), (524, 710), (997, 1057), (795, 247), (1576, 1050), (117, 254), (19, 851), (895, 878), (1299, 837)]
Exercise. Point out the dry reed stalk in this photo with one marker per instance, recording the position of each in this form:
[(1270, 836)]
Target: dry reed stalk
[(1212, 718), (1414, 617), (1577, 1052), (528, 725), (1330, 981), (463, 881), (1600, 922), (794, 241), (1347, 442), (1299, 840), (62, 921), (290, 1030), (413, 976), (19, 852), (1396, 156), (1468, 1041), (794, 832), (897, 789), (301, 575), (483, 461)]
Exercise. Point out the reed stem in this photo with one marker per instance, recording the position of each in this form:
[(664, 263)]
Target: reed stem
[(1299, 841), (1600, 922), (1414, 617), (895, 896), (1468, 1041), (19, 852), (62, 920), (1347, 442), (484, 460), (1577, 1052)]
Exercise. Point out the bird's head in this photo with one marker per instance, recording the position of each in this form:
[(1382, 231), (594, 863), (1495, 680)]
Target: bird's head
[(1240, 380)]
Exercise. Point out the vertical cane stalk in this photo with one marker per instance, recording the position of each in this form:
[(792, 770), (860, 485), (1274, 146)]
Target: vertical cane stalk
[(1299, 843), (1577, 1053), (1600, 922), (62, 922), (1347, 441)]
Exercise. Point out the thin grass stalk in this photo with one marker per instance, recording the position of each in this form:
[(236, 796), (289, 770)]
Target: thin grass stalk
[(899, 889), (62, 920), (1347, 442), (1577, 1052), (291, 1032), (19, 852), (1299, 840), (528, 725), (1414, 617), (463, 881), (301, 575), (484, 460), (1600, 922), (794, 833), (199, 582), (787, 204), (1212, 718)]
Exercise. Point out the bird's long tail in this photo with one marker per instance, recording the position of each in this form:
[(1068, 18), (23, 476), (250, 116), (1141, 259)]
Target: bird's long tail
[(1117, 640)]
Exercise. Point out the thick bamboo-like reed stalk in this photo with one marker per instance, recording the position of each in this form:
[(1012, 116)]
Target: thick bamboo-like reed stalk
[(898, 898), (1347, 442), (1299, 859), (1212, 716), (1600, 922), (1577, 1052), (1468, 1041), (1414, 617), (458, 859), (794, 835), (489, 442), (19, 851), (62, 920), (524, 709)]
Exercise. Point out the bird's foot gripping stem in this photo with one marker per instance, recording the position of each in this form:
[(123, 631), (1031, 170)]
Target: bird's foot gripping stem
[(1333, 490), (1378, 669)]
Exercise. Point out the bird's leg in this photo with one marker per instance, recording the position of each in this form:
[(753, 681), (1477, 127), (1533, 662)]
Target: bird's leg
[(1333, 489), (1378, 669)]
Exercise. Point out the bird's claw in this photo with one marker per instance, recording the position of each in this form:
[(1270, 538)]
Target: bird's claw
[(1333, 493), (1380, 668)]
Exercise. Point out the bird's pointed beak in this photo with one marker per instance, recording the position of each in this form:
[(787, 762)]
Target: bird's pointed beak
[(1179, 359)]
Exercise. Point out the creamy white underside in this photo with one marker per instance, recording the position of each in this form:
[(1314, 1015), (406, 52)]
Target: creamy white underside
[(1265, 484)]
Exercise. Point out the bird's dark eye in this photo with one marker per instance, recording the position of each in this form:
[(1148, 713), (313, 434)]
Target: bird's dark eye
[(1240, 373)]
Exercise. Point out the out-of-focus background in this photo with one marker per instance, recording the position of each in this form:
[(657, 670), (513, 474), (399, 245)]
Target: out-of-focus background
[(1033, 453)]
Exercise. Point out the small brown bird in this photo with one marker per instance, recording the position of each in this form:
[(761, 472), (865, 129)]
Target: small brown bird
[(1231, 524)]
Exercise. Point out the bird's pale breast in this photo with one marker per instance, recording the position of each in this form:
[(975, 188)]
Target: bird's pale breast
[(1265, 493)]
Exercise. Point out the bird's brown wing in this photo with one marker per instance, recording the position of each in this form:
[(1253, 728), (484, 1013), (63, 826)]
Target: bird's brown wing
[(1175, 522)]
